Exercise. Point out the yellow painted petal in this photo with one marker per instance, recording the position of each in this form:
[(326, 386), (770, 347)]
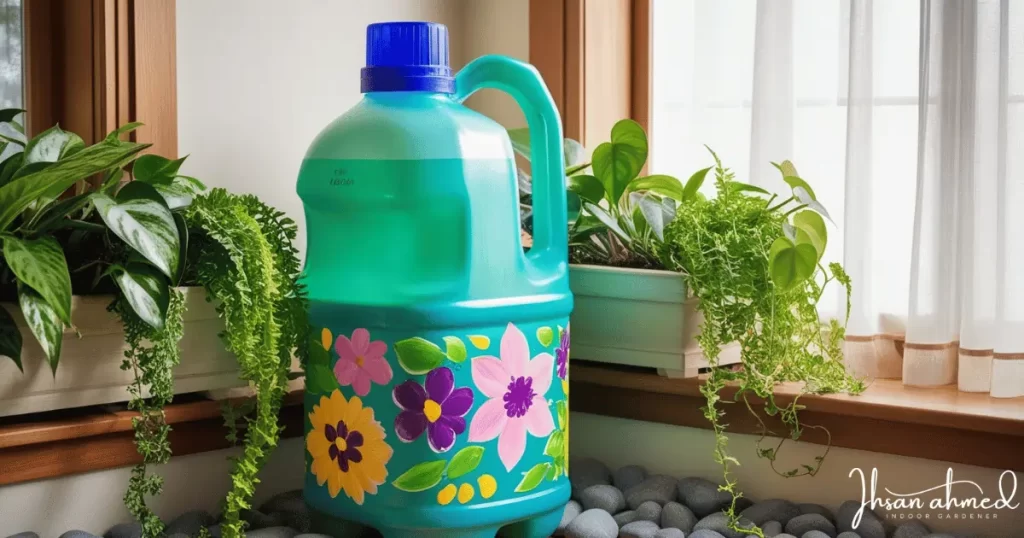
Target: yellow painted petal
[(446, 495), (466, 493), (488, 485), (480, 341), (317, 444), (326, 338), (565, 386)]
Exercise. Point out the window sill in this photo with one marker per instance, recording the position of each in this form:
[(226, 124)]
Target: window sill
[(65, 442), (934, 423)]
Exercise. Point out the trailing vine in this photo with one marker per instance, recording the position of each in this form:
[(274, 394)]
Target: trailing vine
[(726, 247), (248, 264), (151, 356)]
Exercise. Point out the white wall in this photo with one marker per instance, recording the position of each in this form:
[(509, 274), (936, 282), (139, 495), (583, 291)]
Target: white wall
[(92, 501), (682, 452), (258, 79), (497, 27)]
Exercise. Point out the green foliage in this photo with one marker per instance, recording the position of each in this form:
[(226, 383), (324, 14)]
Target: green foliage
[(249, 265), (151, 356), (755, 268)]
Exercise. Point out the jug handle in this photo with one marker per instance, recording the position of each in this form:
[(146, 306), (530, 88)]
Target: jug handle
[(549, 253)]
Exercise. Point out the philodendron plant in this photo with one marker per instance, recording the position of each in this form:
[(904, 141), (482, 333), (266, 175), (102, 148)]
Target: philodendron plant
[(616, 216), (39, 221)]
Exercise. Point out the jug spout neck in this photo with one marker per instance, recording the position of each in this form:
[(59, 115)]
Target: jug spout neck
[(405, 97)]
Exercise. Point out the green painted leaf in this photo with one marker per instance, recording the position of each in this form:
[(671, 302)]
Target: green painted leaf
[(545, 336), (421, 477), (658, 184), (455, 348), (418, 356), (810, 228), (790, 264), (556, 445), (620, 160), (465, 461), (553, 472), (320, 378), (44, 322), (140, 218), (156, 170), (533, 477), (587, 187), (18, 194), (146, 291), (694, 184), (10, 338), (40, 264), (562, 409)]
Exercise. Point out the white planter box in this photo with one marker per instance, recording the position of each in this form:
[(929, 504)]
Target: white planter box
[(89, 372), (638, 317)]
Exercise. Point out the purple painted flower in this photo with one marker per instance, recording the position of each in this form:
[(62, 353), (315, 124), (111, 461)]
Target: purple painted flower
[(562, 355), (436, 407)]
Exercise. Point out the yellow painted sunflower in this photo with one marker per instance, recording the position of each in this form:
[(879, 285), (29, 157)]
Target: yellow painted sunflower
[(348, 447)]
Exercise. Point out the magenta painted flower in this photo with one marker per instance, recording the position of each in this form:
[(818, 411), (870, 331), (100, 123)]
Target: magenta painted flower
[(436, 407), (562, 355), (361, 361), (515, 388)]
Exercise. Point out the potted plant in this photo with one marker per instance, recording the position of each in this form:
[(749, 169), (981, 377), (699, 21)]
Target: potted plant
[(629, 309), (136, 248)]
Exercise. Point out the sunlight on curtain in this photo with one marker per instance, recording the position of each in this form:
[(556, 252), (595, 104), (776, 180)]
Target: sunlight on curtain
[(835, 87)]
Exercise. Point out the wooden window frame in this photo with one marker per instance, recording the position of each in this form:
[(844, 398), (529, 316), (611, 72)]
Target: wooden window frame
[(94, 65), (596, 58)]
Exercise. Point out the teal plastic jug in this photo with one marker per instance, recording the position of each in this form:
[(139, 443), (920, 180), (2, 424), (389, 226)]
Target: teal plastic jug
[(437, 382)]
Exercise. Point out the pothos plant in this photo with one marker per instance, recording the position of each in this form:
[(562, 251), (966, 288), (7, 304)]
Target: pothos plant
[(139, 240), (756, 265)]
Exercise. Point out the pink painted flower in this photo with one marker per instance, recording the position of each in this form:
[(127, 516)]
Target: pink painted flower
[(515, 388), (361, 361)]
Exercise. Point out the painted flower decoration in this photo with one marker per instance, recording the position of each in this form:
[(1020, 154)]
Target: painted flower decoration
[(361, 361), (562, 355), (515, 388), (436, 407), (348, 448)]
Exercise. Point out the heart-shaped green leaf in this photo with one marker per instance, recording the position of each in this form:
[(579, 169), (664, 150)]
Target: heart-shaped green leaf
[(141, 219), (654, 214), (790, 264), (418, 356), (421, 477), (44, 322), (156, 170), (10, 338), (620, 160), (40, 264), (810, 228), (587, 187), (659, 184), (455, 348), (146, 291), (808, 199), (465, 461), (18, 194), (797, 183), (533, 477)]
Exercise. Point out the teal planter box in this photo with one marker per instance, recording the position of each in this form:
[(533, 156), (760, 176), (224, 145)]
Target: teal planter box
[(638, 317)]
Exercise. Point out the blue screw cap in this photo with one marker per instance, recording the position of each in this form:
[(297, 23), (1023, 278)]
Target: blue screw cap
[(407, 56)]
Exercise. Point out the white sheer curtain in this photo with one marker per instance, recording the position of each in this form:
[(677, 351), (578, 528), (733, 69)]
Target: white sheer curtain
[(907, 118)]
